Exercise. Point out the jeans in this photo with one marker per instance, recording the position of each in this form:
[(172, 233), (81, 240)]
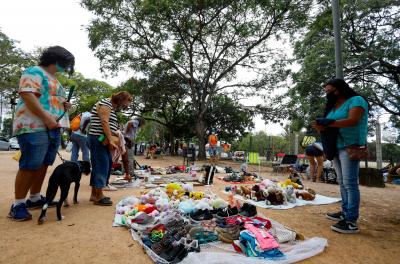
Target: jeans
[(38, 148), (347, 173), (100, 158), (79, 142)]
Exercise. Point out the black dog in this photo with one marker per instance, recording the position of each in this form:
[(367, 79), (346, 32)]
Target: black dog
[(62, 177)]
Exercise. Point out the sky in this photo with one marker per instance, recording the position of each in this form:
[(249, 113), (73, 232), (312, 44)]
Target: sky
[(43, 23)]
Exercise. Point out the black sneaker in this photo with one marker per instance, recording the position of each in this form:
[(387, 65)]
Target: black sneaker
[(39, 203), (339, 216), (229, 211), (248, 210), (201, 215), (345, 227)]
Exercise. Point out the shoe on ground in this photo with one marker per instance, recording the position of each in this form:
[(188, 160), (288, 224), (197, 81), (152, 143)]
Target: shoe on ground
[(201, 215), (229, 211), (248, 210), (19, 213), (39, 203), (109, 188), (339, 216), (345, 227)]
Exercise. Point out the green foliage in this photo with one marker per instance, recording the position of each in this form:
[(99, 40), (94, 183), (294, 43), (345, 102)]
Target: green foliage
[(261, 143), (87, 92), (7, 127), (228, 118), (12, 63), (371, 52), (204, 42)]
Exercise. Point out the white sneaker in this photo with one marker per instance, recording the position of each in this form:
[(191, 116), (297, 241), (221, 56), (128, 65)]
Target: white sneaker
[(109, 188)]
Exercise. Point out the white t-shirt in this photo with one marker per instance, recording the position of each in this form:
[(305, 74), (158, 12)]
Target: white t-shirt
[(131, 133)]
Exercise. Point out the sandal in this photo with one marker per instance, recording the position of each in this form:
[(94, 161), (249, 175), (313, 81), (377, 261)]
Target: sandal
[(105, 201)]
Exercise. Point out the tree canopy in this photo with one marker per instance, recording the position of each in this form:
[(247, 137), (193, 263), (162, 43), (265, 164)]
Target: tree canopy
[(205, 42)]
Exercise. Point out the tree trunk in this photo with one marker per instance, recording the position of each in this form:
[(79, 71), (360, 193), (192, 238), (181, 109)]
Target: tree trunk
[(172, 142), (200, 132)]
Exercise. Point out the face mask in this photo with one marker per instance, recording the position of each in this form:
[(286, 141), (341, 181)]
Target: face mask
[(332, 97), (59, 68)]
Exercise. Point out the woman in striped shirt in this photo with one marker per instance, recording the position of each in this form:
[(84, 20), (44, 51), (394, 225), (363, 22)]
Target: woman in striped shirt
[(104, 124)]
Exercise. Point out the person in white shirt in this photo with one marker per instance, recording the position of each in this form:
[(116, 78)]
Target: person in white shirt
[(130, 132)]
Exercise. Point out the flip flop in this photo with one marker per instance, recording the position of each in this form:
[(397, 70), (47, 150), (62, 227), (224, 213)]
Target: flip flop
[(105, 201)]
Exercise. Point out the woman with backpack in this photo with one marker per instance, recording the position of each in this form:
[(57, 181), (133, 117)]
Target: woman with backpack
[(347, 111), (78, 136)]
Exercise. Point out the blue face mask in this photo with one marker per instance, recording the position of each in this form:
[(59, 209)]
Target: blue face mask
[(59, 68)]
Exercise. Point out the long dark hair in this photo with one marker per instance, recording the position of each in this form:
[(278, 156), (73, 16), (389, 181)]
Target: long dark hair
[(344, 91)]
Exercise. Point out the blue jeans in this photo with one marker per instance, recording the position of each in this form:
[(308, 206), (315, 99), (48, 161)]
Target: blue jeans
[(38, 148), (100, 158), (79, 142), (347, 172)]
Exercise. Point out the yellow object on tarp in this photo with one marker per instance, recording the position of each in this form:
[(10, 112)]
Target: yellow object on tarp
[(253, 158), (17, 155)]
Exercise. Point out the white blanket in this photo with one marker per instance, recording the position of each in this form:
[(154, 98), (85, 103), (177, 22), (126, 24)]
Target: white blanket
[(319, 200)]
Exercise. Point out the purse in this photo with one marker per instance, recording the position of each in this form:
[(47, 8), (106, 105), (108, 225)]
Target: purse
[(357, 152)]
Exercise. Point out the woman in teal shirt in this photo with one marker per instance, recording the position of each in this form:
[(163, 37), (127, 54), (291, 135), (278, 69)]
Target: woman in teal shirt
[(350, 112)]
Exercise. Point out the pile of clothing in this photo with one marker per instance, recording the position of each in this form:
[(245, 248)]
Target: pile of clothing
[(173, 221)]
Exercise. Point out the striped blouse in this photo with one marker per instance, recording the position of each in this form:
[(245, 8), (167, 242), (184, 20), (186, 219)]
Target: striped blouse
[(96, 129)]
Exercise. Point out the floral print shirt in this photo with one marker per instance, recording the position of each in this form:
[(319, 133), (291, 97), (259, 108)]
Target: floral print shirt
[(51, 96)]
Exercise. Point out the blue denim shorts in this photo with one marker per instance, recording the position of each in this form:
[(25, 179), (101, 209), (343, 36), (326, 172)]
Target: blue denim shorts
[(212, 151), (38, 148), (101, 160)]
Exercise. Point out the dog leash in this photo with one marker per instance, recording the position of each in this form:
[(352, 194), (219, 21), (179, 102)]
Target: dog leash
[(71, 92)]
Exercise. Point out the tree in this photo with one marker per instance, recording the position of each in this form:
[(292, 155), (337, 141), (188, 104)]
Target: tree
[(12, 62), (371, 52), (162, 98), (228, 118), (7, 127), (204, 42), (87, 91)]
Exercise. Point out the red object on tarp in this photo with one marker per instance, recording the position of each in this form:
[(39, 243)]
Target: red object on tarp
[(280, 155), (301, 156)]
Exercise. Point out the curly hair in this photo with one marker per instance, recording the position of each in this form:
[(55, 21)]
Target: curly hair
[(58, 55)]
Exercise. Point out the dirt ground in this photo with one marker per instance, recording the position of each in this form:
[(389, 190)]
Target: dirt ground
[(87, 236)]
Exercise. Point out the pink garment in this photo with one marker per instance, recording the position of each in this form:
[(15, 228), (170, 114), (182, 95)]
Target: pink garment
[(117, 153), (264, 239)]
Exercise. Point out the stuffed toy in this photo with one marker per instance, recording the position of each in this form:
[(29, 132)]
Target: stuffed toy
[(290, 194), (187, 207), (162, 204), (311, 191), (289, 182), (130, 201), (203, 205), (246, 191), (305, 195), (173, 186), (258, 194), (274, 196), (237, 190), (219, 203), (188, 187), (265, 184), (196, 195)]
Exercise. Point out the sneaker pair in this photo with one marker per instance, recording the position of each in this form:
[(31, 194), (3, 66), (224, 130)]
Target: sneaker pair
[(39, 203), (229, 211), (19, 213), (201, 215), (342, 226)]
